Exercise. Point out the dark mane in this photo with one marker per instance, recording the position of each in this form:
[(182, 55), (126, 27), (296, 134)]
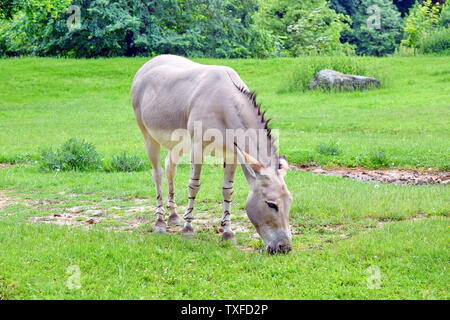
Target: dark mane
[(251, 96)]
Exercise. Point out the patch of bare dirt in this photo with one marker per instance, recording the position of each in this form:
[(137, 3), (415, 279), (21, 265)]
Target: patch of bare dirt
[(7, 165), (6, 201), (394, 176)]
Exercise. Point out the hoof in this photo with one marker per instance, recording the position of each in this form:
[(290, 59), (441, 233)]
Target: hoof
[(174, 220), (160, 226), (228, 236), (187, 231)]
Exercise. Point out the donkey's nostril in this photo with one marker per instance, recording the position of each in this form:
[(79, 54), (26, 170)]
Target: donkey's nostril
[(284, 248), (281, 247)]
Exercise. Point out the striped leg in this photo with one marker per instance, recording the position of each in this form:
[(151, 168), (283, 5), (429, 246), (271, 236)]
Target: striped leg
[(227, 192), (194, 186), (153, 152), (171, 169)]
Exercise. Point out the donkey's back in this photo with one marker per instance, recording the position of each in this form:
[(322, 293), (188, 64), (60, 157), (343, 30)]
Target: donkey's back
[(168, 92)]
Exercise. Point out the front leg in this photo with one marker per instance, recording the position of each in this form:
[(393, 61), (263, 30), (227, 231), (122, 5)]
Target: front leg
[(194, 186), (227, 192)]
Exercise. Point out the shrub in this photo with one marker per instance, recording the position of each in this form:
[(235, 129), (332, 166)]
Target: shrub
[(444, 20), (18, 159), (375, 159), (304, 27), (127, 163), (304, 72), (330, 148), (212, 28), (373, 39), (420, 22), (74, 154), (378, 159), (437, 42)]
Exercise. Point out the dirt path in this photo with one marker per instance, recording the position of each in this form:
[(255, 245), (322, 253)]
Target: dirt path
[(4, 200), (6, 165), (394, 176)]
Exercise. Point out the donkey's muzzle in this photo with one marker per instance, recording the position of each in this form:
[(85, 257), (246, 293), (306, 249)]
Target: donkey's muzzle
[(283, 246)]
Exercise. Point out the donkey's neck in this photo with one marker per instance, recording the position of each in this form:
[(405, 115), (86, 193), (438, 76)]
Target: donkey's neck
[(252, 132)]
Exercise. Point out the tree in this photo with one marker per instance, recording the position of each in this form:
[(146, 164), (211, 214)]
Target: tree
[(377, 27), (215, 28), (304, 27), (345, 6), (421, 21), (404, 6)]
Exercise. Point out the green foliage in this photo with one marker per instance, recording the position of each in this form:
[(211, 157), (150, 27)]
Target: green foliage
[(437, 42), (26, 23), (378, 159), (304, 72), (375, 159), (330, 148), (345, 6), (128, 28), (74, 154), (126, 163), (421, 21), (19, 158), (444, 20), (80, 92), (404, 5), (308, 27), (375, 34)]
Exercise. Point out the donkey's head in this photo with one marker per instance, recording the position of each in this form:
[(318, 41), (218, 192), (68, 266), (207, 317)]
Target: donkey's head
[(268, 202)]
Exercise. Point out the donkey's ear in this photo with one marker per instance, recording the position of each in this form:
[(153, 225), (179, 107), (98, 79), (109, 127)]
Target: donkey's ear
[(250, 165), (283, 166)]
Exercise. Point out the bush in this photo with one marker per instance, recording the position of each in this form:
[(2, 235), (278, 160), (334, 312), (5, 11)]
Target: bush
[(373, 39), (126, 163), (304, 72), (437, 42), (420, 22), (223, 29), (330, 148), (444, 20), (374, 160), (74, 154), (304, 27), (378, 159)]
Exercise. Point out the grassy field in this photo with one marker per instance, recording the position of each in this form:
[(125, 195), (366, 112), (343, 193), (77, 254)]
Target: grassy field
[(343, 229)]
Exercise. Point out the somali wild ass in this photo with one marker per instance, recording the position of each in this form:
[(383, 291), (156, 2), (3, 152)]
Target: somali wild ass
[(171, 94)]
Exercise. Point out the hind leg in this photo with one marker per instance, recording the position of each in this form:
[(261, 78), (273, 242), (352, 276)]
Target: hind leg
[(171, 170), (153, 152), (194, 186)]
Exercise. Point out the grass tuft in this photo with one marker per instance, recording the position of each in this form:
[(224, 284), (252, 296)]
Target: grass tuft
[(330, 148), (74, 154), (126, 163)]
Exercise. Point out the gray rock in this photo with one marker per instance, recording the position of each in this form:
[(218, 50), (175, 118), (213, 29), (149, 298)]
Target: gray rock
[(330, 79)]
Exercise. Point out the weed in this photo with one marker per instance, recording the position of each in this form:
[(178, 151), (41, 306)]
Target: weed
[(330, 148), (74, 154), (125, 162)]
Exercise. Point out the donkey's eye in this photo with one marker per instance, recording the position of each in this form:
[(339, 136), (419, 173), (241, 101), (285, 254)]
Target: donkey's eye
[(272, 205)]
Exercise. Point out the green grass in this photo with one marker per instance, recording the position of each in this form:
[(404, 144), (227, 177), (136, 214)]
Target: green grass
[(412, 257), (341, 227), (46, 101)]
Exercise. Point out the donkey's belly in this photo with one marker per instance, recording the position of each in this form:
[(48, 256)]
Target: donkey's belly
[(172, 139)]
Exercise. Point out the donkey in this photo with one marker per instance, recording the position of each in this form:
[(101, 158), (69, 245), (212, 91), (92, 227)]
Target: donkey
[(171, 93)]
